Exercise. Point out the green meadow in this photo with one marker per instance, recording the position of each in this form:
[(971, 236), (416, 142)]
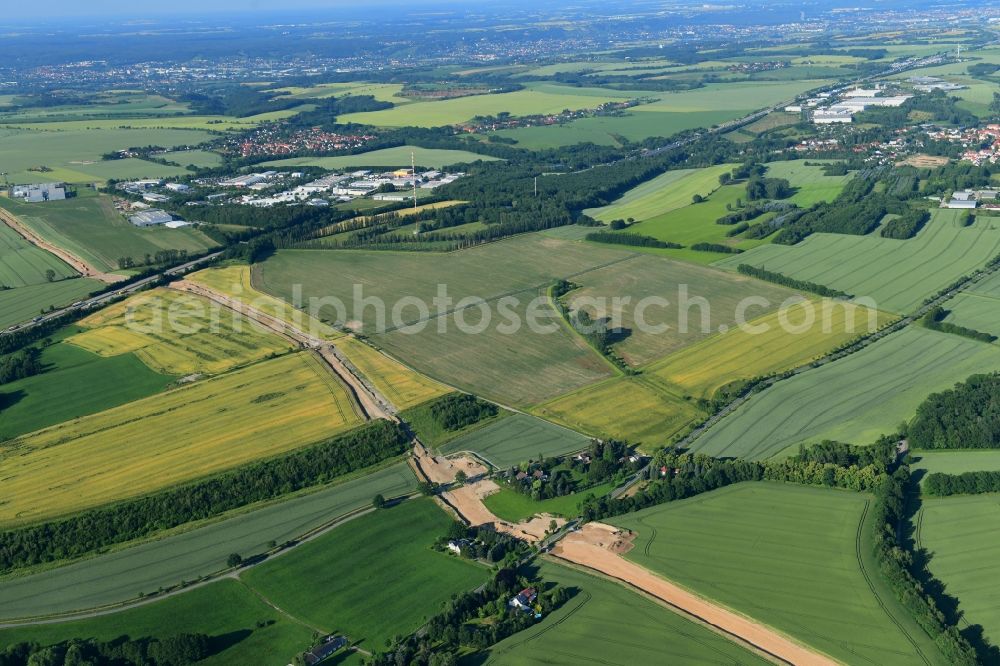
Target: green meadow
[(855, 399), (19, 305), (796, 558), (54, 395), (90, 228), (23, 264), (197, 550), (607, 623), (372, 578), (897, 274), (518, 438), (73, 155), (962, 536), (244, 628)]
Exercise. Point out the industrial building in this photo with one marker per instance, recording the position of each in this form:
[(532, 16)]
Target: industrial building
[(39, 192), (834, 114), (151, 218)]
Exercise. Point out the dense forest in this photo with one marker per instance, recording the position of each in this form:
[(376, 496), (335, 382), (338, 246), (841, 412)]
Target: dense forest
[(20, 365), (458, 410), (131, 519), (965, 417), (906, 225)]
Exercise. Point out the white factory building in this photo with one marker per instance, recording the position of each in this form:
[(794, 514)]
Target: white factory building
[(151, 218), (39, 192)]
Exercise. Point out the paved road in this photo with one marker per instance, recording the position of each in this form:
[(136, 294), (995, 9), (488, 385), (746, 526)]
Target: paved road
[(105, 298)]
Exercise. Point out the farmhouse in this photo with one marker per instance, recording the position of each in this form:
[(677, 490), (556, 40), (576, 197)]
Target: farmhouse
[(524, 599), (151, 218), (39, 192)]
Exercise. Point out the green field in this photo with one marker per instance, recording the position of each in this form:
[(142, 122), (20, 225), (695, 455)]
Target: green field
[(246, 630), (667, 192), (198, 429), (976, 310), (962, 535), (128, 169), (19, 305), (955, 462), (812, 184), (516, 439), (537, 99), (609, 624), (795, 558), (514, 506), (56, 395), (606, 130), (897, 274), (700, 301), (371, 579), (124, 574), (692, 223), (70, 154), (672, 112), (387, 157), (90, 228), (198, 158), (511, 364), (854, 399), (22, 264), (988, 287)]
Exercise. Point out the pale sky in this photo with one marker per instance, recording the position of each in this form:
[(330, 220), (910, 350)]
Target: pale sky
[(130, 8)]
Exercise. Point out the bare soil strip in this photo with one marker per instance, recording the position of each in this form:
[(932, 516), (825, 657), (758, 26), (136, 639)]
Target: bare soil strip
[(373, 407), (78, 264), (597, 546)]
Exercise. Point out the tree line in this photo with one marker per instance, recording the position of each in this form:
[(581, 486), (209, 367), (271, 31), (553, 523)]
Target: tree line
[(790, 282), (97, 528), (941, 484), (934, 320), (124, 651), (632, 239)]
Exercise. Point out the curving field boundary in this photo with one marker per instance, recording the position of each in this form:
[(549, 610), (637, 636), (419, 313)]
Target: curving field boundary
[(583, 548)]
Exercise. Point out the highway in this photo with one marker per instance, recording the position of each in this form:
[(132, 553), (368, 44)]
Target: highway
[(107, 297)]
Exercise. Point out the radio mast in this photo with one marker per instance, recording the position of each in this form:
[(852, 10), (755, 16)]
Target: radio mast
[(413, 178)]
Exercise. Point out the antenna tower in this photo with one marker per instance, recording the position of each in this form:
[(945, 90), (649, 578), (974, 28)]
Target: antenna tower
[(413, 178)]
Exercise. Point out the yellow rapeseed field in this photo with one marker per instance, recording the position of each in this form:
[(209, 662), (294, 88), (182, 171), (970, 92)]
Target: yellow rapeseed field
[(702, 368), (235, 282), (404, 387), (178, 334), (629, 408), (187, 433)]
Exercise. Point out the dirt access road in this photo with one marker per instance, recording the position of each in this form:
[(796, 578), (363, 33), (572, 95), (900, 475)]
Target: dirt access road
[(374, 406), (78, 264), (597, 546)]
